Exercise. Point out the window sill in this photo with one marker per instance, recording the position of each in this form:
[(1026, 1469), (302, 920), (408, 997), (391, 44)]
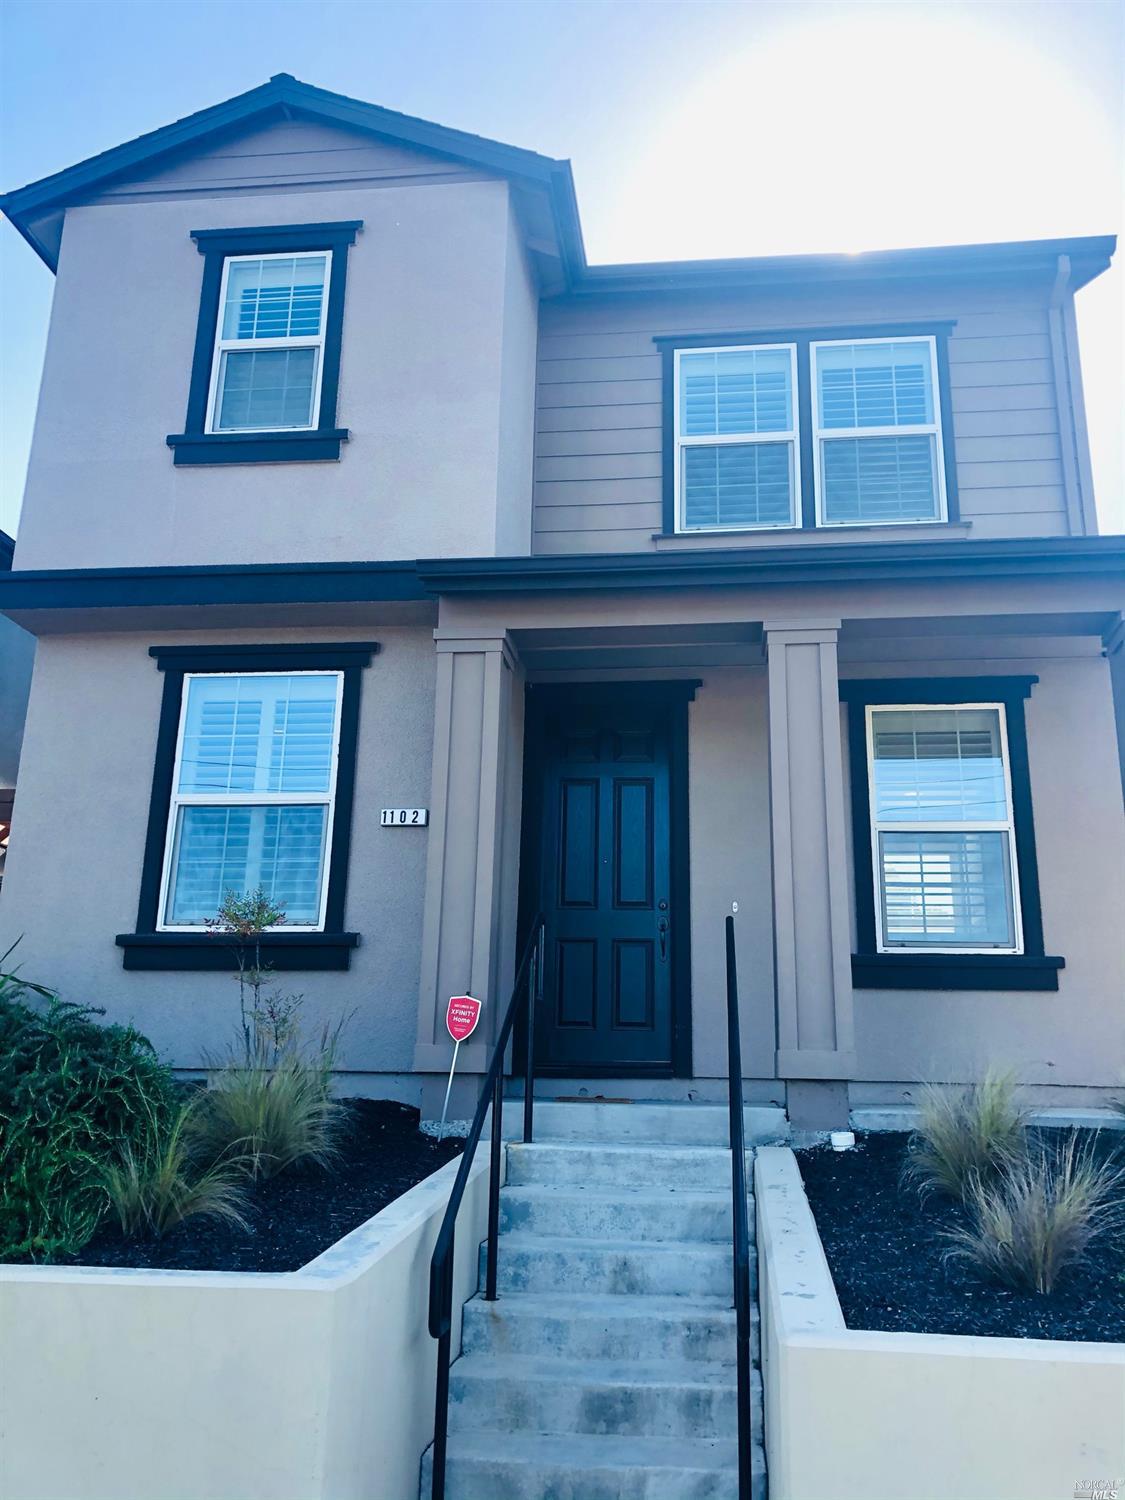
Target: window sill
[(790, 536), (257, 447), (201, 951), (955, 971)]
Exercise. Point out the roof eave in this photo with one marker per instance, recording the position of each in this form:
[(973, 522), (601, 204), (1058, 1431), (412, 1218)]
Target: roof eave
[(285, 93), (992, 557), (1089, 256), (23, 594)]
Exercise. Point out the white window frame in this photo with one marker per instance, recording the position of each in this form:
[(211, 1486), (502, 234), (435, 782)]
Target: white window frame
[(250, 346), (180, 799), (921, 429), (939, 825), (680, 441)]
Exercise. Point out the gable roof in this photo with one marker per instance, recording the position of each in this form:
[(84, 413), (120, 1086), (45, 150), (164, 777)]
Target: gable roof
[(284, 96), (36, 210)]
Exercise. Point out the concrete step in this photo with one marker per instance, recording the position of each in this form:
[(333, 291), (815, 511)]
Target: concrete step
[(618, 1268), (616, 1214), (662, 1168), (679, 1124), (606, 1327), (543, 1393), (536, 1466)]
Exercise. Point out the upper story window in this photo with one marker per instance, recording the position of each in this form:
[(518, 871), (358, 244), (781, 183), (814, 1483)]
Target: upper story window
[(266, 369), (877, 432), (807, 429), (269, 343), (736, 437)]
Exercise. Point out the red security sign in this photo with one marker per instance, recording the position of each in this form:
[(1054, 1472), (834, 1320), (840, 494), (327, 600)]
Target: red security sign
[(461, 1016)]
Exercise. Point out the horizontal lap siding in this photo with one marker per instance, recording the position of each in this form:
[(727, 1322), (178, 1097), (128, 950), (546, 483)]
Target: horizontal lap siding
[(598, 440)]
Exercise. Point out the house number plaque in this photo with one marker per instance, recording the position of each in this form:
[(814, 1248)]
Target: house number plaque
[(405, 817)]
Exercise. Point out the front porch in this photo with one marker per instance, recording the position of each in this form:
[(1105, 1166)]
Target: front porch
[(635, 762)]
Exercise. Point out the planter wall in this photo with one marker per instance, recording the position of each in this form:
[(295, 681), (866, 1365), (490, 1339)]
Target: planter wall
[(313, 1385), (853, 1415)]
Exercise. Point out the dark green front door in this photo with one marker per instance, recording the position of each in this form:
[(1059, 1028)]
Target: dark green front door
[(603, 761)]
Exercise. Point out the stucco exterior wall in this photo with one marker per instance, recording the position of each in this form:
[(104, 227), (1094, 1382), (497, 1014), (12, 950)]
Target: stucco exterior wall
[(1061, 1041), (17, 654), (86, 812), (728, 755), (435, 387), (78, 839), (1076, 1037)]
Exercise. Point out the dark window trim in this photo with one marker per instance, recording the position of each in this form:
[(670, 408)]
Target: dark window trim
[(668, 343), (195, 445), (1031, 970), (330, 948)]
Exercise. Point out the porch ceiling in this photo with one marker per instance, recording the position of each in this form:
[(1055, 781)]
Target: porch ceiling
[(589, 646), (640, 647)]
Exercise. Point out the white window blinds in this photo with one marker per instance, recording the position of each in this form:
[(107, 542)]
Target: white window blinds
[(269, 344), (877, 439), (253, 793), (942, 830), (736, 437)]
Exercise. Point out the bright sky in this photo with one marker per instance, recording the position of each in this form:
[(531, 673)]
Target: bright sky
[(696, 129)]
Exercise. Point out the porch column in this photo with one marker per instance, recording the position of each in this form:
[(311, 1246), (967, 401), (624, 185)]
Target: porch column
[(468, 935), (812, 936)]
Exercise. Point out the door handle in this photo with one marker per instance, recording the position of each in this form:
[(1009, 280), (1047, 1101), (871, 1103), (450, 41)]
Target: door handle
[(662, 929)]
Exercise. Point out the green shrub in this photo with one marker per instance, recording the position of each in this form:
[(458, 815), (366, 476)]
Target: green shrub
[(966, 1136), (154, 1183), (72, 1094), (274, 1110), (1040, 1214), (270, 1100)]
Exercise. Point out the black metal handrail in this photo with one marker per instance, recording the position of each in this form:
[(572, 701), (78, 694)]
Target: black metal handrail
[(529, 972), (741, 1223)]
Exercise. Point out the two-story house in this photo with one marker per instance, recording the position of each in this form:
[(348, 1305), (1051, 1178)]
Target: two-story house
[(638, 589)]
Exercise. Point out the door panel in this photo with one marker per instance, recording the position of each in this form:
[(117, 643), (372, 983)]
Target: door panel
[(602, 770)]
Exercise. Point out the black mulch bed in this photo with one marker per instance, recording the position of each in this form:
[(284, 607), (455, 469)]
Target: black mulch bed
[(300, 1212), (887, 1256)]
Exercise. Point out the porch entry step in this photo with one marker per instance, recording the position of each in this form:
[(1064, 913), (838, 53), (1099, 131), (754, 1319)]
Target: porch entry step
[(603, 1327), (649, 1121), (662, 1398), (576, 1466), (623, 1213), (662, 1168), (606, 1368), (622, 1268)]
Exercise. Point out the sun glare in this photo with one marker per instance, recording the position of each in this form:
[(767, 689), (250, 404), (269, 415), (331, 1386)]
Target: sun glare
[(855, 131)]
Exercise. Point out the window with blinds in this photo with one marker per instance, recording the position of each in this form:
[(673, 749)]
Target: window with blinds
[(877, 432), (943, 837), (253, 792), (736, 438), (269, 343)]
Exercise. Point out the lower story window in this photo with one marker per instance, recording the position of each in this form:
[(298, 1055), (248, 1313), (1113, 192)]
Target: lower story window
[(253, 793), (942, 829)]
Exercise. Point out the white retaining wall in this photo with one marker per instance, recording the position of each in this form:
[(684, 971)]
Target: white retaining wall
[(853, 1415), (316, 1384)]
